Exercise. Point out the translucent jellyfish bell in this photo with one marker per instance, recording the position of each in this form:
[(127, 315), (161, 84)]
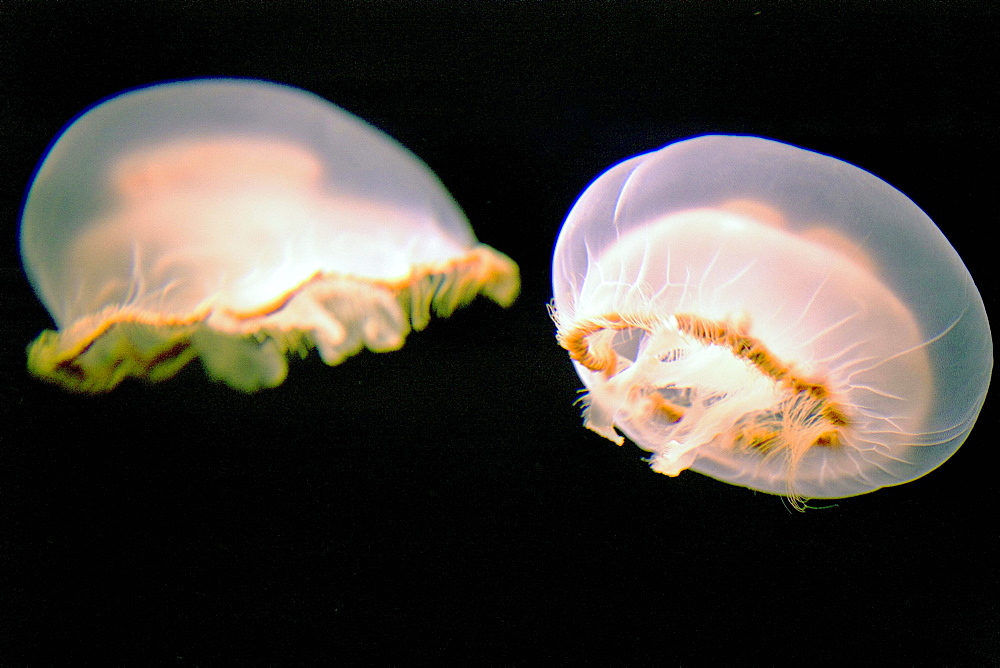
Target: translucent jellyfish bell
[(770, 317), (235, 221)]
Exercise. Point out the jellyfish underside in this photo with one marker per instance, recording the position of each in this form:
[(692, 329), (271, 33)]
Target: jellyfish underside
[(229, 250), (719, 341)]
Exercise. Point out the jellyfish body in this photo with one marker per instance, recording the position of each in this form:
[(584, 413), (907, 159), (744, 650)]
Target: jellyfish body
[(236, 221), (771, 317)]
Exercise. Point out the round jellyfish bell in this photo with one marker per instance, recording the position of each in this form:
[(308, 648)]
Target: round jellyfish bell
[(237, 221), (771, 317)]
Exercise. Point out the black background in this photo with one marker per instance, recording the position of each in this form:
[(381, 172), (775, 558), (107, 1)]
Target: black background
[(444, 502)]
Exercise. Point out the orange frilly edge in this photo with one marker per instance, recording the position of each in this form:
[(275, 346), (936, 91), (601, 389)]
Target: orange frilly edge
[(335, 314)]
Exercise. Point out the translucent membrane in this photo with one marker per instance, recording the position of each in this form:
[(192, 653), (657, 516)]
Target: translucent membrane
[(770, 317), (236, 221)]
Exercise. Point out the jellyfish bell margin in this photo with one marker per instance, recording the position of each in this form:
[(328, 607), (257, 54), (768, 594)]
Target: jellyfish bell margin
[(237, 222), (771, 317)]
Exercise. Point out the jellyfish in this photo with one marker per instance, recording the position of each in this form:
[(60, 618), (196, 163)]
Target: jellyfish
[(237, 222), (771, 317)]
